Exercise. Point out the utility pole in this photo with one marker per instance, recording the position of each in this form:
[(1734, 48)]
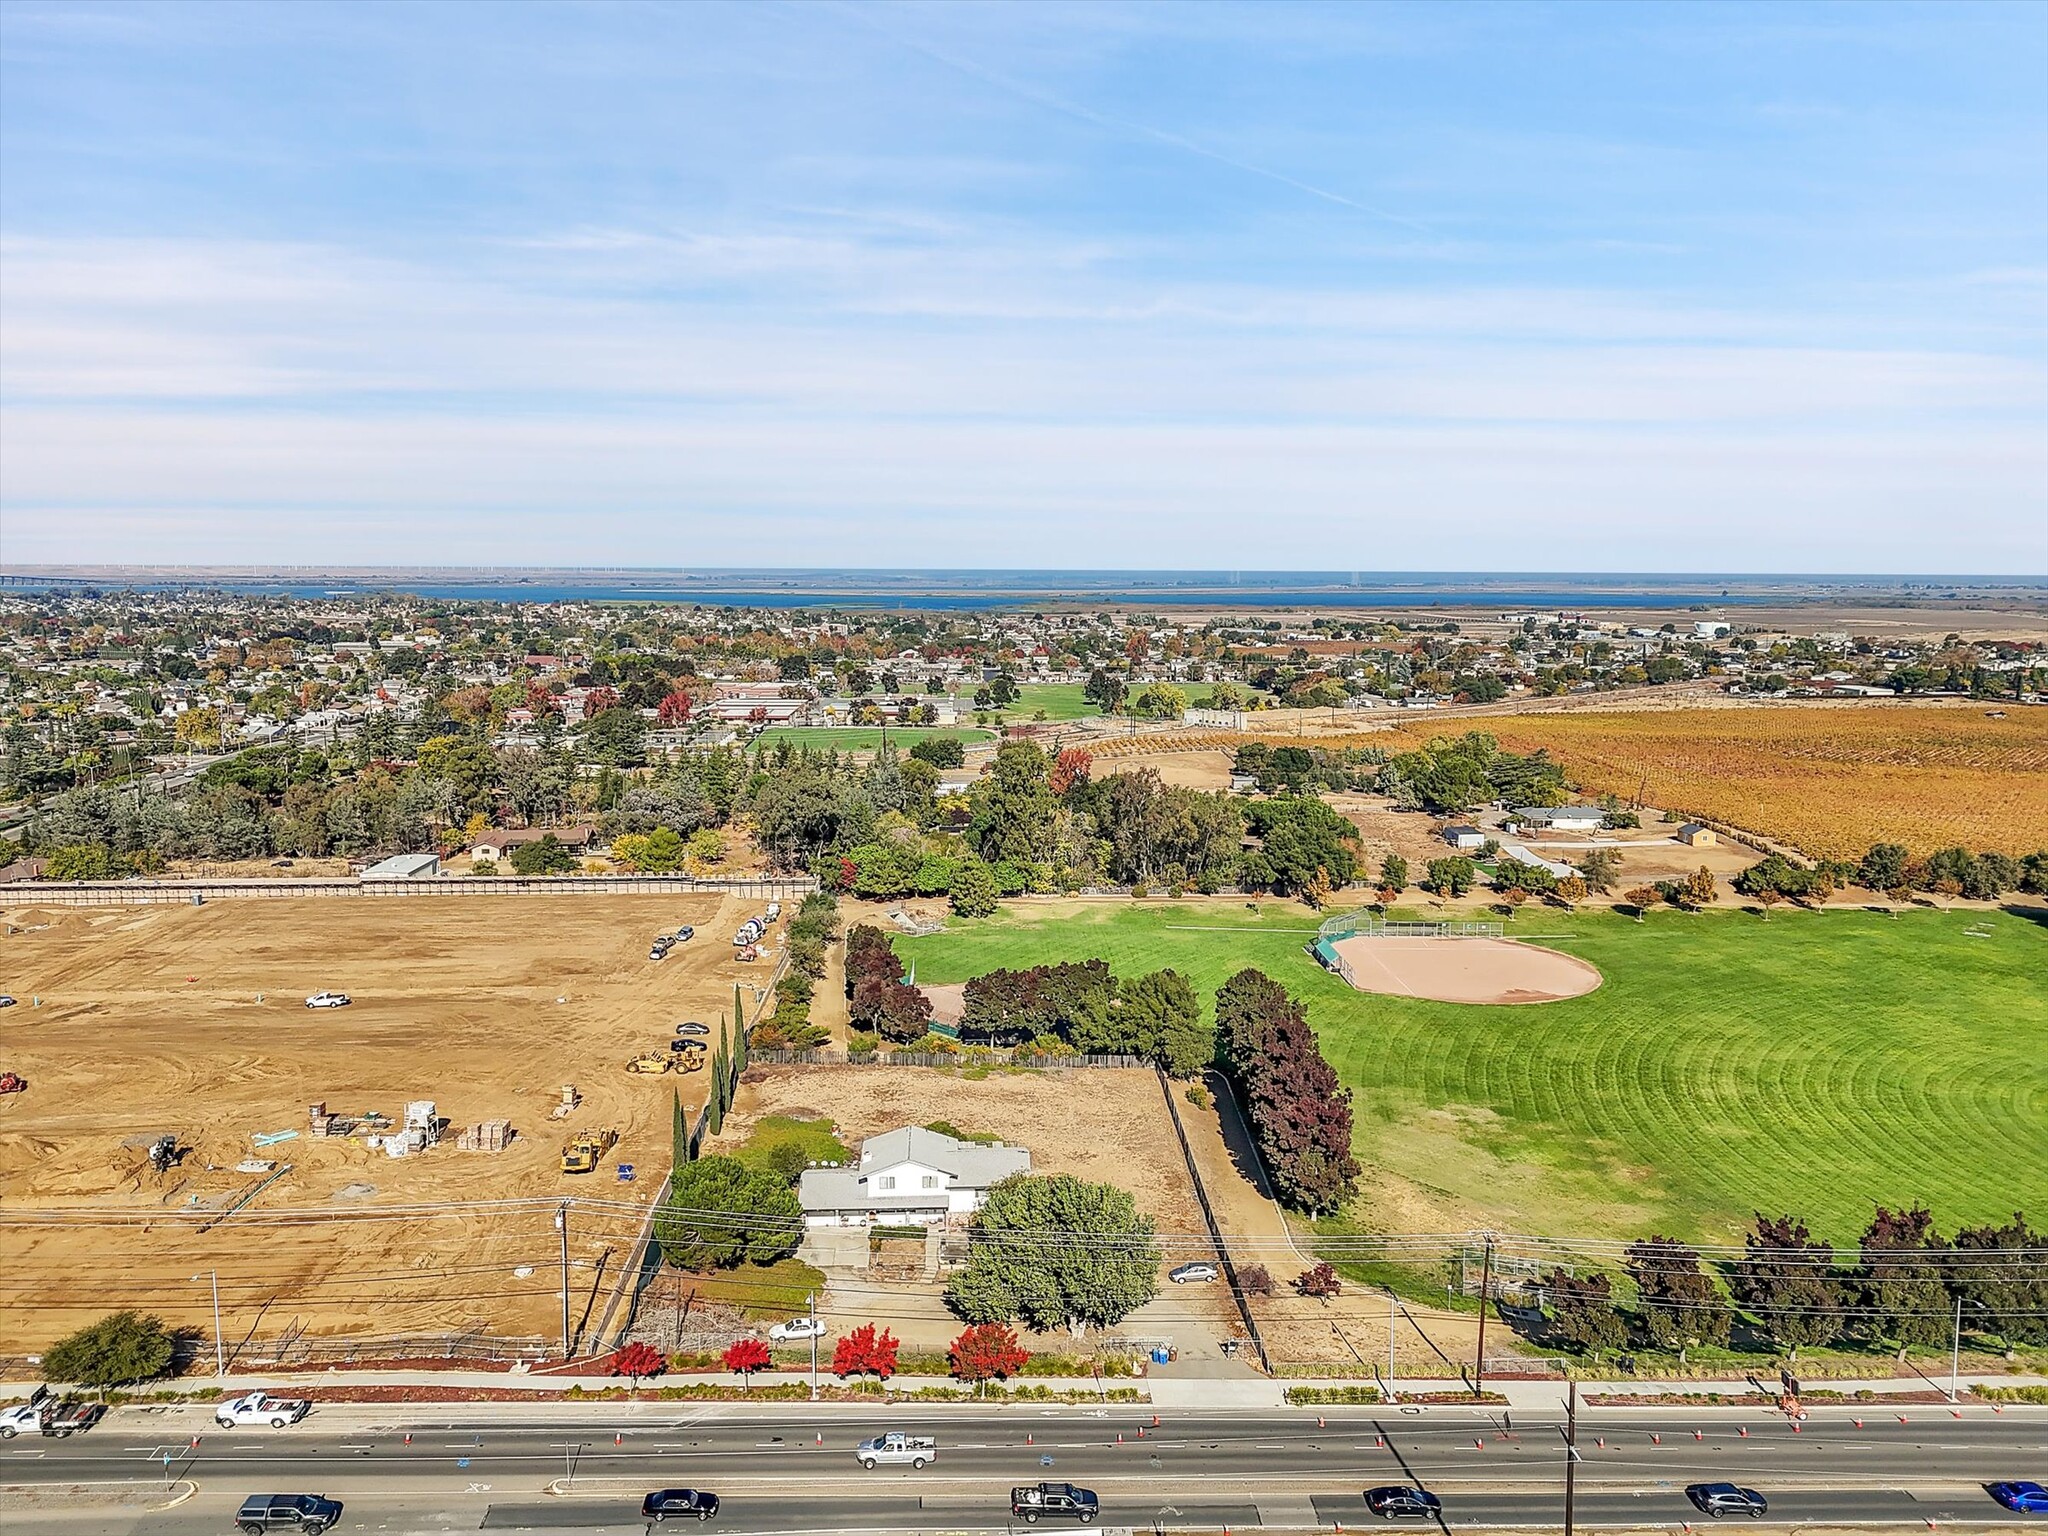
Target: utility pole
[(1955, 1354), (1571, 1449), (562, 1226), (811, 1306), (1485, 1289), (1392, 1303)]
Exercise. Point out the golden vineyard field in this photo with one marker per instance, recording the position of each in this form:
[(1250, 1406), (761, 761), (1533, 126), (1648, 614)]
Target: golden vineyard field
[(1830, 781)]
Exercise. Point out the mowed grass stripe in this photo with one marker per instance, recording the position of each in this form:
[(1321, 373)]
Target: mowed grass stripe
[(1812, 1064)]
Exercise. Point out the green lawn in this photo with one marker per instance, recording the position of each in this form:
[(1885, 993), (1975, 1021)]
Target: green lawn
[(1815, 1063), (865, 738), (1060, 701)]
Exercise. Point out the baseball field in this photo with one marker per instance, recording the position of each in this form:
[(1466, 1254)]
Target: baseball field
[(1813, 1063)]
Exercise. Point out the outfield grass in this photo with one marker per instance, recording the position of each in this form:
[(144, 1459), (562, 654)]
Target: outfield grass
[(865, 738), (1814, 1064)]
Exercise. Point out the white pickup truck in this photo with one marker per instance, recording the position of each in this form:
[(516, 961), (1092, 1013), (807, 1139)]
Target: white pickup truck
[(896, 1449), (260, 1408)]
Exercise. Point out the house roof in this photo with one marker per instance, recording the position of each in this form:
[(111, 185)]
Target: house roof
[(970, 1163)]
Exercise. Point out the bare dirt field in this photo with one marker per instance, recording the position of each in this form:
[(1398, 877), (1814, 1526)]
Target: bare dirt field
[(1465, 970), (142, 1020)]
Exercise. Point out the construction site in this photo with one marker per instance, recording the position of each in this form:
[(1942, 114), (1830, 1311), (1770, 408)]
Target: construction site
[(385, 1166)]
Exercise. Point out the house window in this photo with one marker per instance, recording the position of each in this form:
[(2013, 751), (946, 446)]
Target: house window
[(931, 1181), (887, 1181)]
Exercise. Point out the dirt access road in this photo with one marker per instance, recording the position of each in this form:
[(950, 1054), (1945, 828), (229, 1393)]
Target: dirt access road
[(192, 1020)]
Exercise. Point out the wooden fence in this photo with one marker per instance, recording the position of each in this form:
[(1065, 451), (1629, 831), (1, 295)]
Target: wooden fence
[(967, 1057)]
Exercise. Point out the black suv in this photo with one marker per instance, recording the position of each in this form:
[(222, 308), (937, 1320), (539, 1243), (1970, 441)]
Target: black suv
[(678, 1504), (1397, 1502), (1059, 1501), (264, 1512), (1718, 1499)]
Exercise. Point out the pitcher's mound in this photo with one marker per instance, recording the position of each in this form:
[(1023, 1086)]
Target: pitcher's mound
[(1465, 970)]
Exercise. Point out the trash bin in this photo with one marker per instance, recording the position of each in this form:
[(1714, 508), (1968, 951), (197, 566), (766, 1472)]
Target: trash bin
[(1159, 1356)]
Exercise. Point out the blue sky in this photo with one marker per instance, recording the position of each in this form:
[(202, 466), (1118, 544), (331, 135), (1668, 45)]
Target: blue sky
[(1448, 287)]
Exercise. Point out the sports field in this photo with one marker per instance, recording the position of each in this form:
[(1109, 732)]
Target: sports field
[(1060, 701), (1813, 1064), (865, 738)]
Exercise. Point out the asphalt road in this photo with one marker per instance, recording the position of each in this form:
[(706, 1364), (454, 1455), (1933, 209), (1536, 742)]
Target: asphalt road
[(584, 1469)]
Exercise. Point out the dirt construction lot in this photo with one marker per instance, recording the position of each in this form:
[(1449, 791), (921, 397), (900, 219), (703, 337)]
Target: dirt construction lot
[(137, 1021)]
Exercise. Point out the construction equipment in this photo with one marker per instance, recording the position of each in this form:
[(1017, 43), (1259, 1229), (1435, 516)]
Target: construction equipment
[(163, 1153), (586, 1148), (13, 1082), (651, 1063)]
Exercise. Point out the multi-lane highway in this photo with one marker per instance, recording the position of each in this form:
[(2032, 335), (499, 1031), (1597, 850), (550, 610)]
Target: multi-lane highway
[(565, 1468)]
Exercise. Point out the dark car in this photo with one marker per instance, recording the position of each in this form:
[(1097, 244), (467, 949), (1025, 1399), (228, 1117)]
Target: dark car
[(262, 1512), (1396, 1502), (1055, 1501), (1718, 1499), (679, 1504), (692, 1027), (2025, 1498)]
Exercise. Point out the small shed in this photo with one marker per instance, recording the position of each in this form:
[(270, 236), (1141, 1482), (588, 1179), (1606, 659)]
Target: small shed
[(405, 866), (1693, 835), (1464, 837)]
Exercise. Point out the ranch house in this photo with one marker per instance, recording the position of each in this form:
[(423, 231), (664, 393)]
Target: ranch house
[(1562, 818), (908, 1177)]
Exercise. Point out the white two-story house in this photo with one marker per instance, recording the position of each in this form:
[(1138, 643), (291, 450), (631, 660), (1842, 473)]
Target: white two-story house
[(908, 1177)]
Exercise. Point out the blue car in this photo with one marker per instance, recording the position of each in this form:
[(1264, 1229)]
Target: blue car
[(2022, 1498)]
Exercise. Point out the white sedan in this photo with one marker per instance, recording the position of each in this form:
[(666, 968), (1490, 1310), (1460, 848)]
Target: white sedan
[(328, 1000), (1192, 1274), (797, 1329)]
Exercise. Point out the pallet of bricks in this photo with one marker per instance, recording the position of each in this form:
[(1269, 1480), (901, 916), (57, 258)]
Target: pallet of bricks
[(485, 1136)]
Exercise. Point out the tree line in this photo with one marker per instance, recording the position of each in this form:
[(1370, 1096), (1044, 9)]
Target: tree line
[(1903, 1286)]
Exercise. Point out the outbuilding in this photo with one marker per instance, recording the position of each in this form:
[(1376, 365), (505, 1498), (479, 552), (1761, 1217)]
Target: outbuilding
[(1693, 835), (405, 866), (1463, 838)]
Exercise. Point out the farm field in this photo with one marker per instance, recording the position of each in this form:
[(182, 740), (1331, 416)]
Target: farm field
[(192, 1020), (865, 738), (1829, 780), (1814, 1063)]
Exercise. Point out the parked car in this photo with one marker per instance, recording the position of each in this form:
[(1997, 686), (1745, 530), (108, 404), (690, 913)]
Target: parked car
[(692, 1027), (1718, 1499), (658, 950), (2025, 1497), (1400, 1502), (1192, 1274), (798, 1328), (685, 933), (1057, 1501), (308, 1512), (678, 1504), (897, 1449), (260, 1408), (328, 1000), (6, 1001)]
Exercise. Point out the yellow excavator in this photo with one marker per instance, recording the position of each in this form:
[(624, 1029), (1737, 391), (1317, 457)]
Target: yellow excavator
[(586, 1148)]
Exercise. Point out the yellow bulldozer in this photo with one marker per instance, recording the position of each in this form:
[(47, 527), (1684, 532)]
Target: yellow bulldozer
[(584, 1150)]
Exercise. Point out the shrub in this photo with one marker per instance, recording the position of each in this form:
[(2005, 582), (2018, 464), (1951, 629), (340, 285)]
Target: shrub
[(118, 1350)]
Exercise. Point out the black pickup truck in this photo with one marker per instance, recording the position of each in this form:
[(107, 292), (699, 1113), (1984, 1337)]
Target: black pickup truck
[(1054, 1501)]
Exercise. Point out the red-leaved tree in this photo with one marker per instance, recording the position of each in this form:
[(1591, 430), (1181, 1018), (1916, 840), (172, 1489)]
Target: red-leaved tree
[(675, 709), (1071, 767), (986, 1352), (864, 1352), (636, 1361), (745, 1357), (1321, 1281), (598, 700)]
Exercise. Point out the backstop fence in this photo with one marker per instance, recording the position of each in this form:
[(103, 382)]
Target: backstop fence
[(1368, 924)]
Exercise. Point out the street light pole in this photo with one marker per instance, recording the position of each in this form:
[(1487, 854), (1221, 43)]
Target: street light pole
[(1391, 1304), (1485, 1286), (1571, 1450), (811, 1306)]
